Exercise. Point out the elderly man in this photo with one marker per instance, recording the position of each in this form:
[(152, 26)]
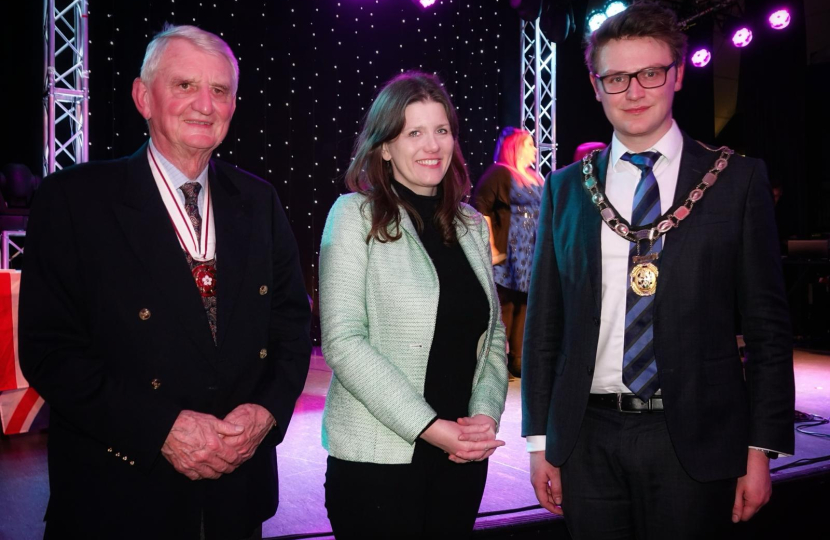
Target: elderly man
[(639, 416), (163, 316)]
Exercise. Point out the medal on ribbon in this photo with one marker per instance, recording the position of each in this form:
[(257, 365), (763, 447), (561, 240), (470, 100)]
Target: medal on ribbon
[(205, 276), (202, 249)]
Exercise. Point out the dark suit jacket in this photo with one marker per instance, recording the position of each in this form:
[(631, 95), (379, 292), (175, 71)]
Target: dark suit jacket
[(723, 257), (101, 248)]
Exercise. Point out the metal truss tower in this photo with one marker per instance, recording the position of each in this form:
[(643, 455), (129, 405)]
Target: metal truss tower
[(539, 93), (66, 84)]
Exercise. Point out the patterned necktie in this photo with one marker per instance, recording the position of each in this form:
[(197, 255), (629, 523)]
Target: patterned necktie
[(191, 206), (639, 364)]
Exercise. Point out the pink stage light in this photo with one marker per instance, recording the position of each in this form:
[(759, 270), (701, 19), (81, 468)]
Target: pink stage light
[(742, 37), (779, 19), (701, 57), (427, 3)]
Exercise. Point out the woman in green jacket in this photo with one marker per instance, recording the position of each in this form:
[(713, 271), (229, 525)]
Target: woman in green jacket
[(411, 328)]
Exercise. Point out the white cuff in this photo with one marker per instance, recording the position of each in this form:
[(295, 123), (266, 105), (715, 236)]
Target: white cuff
[(536, 443)]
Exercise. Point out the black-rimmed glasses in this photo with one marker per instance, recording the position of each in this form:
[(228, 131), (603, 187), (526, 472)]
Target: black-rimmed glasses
[(651, 77)]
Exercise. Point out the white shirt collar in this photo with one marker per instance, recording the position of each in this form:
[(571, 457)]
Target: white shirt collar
[(177, 177), (670, 147)]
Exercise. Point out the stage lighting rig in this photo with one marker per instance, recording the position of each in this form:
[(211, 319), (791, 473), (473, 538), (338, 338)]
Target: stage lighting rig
[(609, 9), (424, 4), (701, 57), (556, 18), (779, 19)]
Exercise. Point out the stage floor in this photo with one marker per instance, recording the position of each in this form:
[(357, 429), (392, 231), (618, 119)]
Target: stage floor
[(24, 487)]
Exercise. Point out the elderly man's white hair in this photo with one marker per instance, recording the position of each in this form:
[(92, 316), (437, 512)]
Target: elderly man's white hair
[(202, 40)]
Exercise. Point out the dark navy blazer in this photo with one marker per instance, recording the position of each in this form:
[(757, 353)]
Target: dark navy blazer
[(100, 249), (724, 257)]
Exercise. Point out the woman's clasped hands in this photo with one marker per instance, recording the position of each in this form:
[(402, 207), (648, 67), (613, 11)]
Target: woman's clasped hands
[(468, 439)]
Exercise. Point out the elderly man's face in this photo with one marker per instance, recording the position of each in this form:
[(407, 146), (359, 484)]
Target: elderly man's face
[(189, 104)]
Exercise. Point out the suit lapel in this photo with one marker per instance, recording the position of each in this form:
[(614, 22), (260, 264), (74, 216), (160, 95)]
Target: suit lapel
[(695, 161), (233, 231), (149, 232), (591, 227)]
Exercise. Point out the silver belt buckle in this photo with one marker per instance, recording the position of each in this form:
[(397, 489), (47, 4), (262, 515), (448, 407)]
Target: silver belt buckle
[(620, 409)]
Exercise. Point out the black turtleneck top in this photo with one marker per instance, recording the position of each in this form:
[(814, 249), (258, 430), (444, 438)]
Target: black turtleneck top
[(463, 315)]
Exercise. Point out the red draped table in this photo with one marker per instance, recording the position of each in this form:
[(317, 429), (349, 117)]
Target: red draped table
[(21, 408)]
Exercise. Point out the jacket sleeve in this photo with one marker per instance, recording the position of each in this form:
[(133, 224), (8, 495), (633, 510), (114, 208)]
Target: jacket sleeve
[(288, 329), (490, 390), (368, 375), (492, 198), (57, 353), (488, 189), (765, 322), (543, 324)]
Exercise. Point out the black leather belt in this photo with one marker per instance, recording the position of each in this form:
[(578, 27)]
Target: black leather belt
[(628, 403)]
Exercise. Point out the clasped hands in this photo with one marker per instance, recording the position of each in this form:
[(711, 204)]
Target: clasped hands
[(468, 439), (202, 446)]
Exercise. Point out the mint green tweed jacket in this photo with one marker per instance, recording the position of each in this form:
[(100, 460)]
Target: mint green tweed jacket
[(378, 303)]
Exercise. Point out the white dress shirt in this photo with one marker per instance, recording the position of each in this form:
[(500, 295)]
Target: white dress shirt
[(178, 178), (621, 181)]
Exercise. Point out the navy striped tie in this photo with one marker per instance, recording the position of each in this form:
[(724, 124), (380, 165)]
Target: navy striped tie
[(639, 365)]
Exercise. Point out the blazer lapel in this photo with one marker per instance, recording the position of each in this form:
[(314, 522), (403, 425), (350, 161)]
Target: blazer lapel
[(149, 232), (591, 226), (695, 161), (233, 231)]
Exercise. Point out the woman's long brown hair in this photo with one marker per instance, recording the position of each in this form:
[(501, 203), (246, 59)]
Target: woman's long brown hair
[(370, 175)]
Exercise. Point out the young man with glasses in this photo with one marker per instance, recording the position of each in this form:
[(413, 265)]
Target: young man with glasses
[(640, 420)]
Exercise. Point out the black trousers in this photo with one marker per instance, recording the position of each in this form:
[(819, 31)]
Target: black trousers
[(432, 497), (623, 481)]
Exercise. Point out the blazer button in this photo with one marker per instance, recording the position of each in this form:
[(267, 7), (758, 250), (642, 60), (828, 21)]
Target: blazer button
[(155, 383), (591, 370), (118, 454), (263, 290), (263, 353), (144, 314), (596, 321)]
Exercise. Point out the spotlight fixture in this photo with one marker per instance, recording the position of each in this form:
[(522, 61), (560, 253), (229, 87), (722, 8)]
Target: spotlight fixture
[(595, 20), (598, 16), (779, 19), (742, 37), (423, 4), (617, 6), (701, 57), (529, 10)]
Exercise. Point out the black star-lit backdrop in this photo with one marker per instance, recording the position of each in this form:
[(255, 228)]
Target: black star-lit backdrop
[(309, 71)]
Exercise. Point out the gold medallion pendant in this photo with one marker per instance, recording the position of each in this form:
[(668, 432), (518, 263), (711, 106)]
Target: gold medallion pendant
[(644, 279)]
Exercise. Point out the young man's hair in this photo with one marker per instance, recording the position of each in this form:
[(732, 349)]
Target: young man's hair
[(644, 19)]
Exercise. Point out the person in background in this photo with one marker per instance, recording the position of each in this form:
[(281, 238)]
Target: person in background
[(410, 328), (586, 148), (509, 195)]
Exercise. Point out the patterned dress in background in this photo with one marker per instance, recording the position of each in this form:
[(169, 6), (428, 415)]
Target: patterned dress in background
[(524, 216)]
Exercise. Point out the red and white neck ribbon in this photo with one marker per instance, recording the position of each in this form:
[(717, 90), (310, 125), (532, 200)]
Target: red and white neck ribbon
[(203, 249)]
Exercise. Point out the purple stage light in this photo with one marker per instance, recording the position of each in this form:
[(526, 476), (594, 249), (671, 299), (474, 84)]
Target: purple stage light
[(779, 19), (742, 37), (701, 57), (427, 3)]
